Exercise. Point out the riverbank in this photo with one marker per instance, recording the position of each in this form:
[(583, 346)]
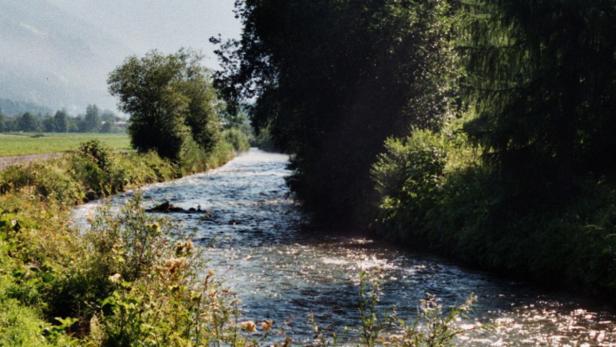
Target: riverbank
[(61, 287)]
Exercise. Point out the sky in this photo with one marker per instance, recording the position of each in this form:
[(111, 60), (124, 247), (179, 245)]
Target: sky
[(59, 53), (166, 25)]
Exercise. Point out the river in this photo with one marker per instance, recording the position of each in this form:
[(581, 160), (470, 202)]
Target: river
[(257, 244)]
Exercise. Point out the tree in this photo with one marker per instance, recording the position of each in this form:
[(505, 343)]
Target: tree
[(28, 123), (170, 100), (2, 122), (542, 77), (92, 119), (108, 116), (332, 80), (48, 124), (108, 119), (107, 127), (60, 120)]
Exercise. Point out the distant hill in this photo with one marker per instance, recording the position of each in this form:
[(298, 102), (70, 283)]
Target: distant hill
[(52, 58), (12, 108)]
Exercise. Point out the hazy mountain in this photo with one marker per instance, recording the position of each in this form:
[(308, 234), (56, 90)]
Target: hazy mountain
[(13, 108), (165, 25), (53, 58)]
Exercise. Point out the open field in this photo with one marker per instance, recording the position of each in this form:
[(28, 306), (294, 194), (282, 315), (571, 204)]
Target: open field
[(26, 144)]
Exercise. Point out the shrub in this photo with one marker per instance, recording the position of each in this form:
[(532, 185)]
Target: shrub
[(48, 180), (14, 178), (434, 191), (264, 140), (237, 139), (157, 296), (59, 286), (407, 178)]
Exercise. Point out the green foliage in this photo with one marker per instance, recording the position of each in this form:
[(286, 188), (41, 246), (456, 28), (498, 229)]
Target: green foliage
[(237, 139), (102, 172), (49, 181), (126, 281), (19, 326), (158, 297), (407, 178), (435, 191), (356, 73), (92, 120), (541, 77), (264, 140), (175, 104), (60, 120), (27, 122)]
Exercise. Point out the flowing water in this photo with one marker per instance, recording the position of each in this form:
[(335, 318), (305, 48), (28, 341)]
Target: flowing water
[(255, 242)]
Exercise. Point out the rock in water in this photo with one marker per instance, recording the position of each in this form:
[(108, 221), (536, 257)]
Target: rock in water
[(167, 207)]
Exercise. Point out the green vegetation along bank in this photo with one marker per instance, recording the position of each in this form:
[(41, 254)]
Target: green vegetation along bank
[(121, 282), (483, 129), (126, 281)]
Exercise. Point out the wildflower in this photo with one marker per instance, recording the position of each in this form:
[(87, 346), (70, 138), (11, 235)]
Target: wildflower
[(155, 227), (248, 326), (115, 278), (267, 325), (195, 295), (183, 248), (174, 265)]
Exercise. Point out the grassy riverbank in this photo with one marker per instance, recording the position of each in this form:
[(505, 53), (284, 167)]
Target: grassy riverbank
[(121, 282)]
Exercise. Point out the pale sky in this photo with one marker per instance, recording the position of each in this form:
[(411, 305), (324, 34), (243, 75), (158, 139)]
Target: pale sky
[(167, 25)]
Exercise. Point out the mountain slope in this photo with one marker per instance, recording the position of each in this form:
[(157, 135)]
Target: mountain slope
[(53, 58)]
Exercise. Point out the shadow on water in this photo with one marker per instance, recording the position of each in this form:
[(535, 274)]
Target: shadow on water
[(253, 239)]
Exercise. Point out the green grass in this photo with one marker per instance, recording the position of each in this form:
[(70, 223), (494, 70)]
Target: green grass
[(28, 143)]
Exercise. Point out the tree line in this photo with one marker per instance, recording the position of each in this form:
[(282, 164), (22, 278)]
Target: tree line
[(94, 120), (482, 129)]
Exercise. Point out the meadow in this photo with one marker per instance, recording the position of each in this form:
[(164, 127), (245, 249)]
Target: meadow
[(17, 144)]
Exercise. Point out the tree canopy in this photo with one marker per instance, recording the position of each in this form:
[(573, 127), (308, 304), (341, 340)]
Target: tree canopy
[(170, 100), (333, 79), (542, 77)]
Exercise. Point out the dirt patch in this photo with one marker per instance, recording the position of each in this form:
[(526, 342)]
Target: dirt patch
[(26, 159)]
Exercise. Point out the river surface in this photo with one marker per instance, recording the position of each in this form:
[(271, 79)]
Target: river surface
[(257, 244)]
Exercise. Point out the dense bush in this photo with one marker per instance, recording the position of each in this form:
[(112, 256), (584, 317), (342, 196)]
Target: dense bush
[(237, 139), (407, 178), (434, 190), (264, 141)]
